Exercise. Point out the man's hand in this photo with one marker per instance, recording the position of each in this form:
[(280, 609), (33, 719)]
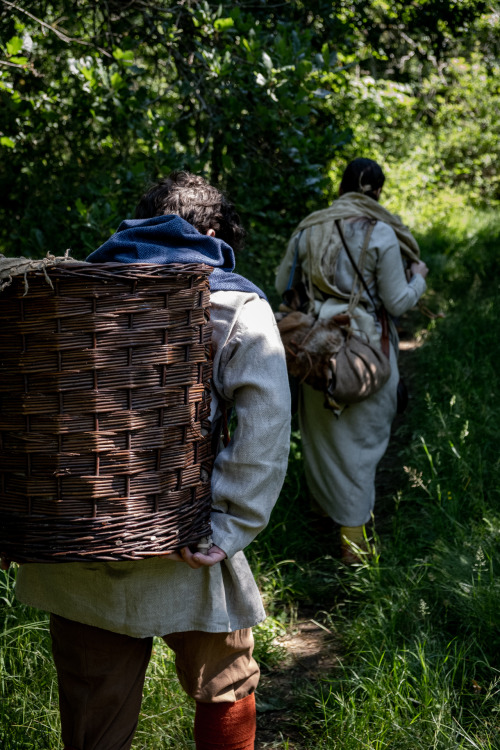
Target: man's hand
[(199, 559)]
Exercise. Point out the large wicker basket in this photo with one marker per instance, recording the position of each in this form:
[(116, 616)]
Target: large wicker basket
[(105, 448)]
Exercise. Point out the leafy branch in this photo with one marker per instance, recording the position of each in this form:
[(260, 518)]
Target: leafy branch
[(60, 34)]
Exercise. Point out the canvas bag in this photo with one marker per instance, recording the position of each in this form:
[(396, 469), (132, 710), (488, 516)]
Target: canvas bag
[(328, 353)]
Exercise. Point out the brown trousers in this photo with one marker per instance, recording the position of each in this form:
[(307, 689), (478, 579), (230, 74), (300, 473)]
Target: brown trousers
[(101, 677)]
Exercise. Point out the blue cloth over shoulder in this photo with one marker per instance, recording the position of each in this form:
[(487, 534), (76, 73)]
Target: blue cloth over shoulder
[(171, 239)]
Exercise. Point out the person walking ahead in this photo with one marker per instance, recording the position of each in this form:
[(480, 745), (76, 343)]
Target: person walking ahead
[(202, 603), (341, 450)]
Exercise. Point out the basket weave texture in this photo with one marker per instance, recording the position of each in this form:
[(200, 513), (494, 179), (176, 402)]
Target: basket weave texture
[(105, 446)]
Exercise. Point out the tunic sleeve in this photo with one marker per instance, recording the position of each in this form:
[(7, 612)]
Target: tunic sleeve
[(396, 293), (250, 373)]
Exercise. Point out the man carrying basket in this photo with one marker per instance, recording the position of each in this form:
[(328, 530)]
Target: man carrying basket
[(202, 603)]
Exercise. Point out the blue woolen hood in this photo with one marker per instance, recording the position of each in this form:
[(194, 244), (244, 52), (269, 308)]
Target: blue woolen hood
[(170, 239)]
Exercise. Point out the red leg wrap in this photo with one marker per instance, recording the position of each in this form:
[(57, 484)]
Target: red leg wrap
[(225, 726)]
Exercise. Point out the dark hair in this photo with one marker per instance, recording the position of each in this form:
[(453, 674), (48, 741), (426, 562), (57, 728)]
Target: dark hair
[(362, 176), (192, 198)]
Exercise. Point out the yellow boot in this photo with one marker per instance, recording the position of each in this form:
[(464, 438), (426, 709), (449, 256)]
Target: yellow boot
[(352, 538)]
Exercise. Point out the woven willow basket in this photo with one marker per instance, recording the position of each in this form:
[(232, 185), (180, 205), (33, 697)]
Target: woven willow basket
[(105, 449)]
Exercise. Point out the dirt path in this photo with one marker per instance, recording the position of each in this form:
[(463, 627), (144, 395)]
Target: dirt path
[(311, 649)]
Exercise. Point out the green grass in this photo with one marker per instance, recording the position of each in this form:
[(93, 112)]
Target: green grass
[(28, 694), (418, 622), (167, 713)]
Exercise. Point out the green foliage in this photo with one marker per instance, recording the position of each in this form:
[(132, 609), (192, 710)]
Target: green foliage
[(97, 99), (89, 116), (435, 129), (462, 106)]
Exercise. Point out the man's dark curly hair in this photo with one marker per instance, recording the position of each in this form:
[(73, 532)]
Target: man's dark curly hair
[(192, 198)]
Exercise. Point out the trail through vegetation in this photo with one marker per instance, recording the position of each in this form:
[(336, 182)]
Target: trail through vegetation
[(310, 651)]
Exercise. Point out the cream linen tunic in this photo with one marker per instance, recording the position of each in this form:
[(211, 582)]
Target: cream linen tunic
[(341, 453), (157, 596)]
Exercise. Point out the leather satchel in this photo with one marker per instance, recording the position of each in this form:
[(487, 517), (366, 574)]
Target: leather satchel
[(328, 354)]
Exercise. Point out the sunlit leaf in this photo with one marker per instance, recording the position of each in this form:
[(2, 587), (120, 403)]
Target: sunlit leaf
[(223, 23), (14, 46)]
